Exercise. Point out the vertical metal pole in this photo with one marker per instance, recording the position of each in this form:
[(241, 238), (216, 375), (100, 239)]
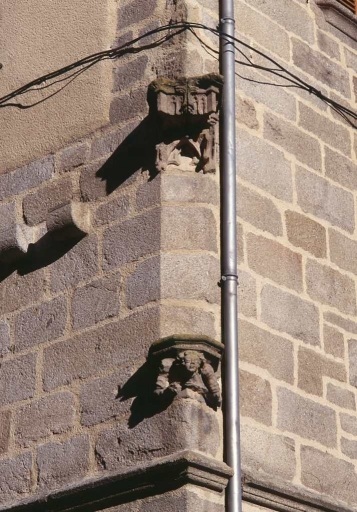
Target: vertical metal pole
[(229, 259)]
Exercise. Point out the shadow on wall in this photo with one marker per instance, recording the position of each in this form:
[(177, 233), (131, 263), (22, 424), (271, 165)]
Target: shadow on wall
[(135, 153)]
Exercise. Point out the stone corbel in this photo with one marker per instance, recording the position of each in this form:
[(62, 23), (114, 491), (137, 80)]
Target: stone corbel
[(14, 237), (186, 111), (186, 367), (69, 221)]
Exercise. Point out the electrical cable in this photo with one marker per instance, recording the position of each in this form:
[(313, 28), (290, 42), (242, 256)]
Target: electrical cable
[(171, 31)]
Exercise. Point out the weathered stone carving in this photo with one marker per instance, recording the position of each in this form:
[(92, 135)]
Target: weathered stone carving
[(186, 368), (186, 112), (71, 220)]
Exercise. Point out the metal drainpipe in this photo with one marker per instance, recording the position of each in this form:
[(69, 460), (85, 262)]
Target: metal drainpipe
[(229, 259)]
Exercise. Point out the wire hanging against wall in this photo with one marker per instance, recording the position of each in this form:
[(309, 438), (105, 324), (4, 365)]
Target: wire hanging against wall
[(68, 74)]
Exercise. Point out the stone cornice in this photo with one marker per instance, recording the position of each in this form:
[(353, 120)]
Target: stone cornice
[(156, 477), (288, 497)]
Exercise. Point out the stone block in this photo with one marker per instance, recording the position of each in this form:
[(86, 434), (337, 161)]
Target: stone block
[(275, 98), (259, 211), (5, 340), (41, 323), (247, 294), (305, 148), (321, 67), (255, 397), (174, 276), (99, 399), (102, 348), (105, 144), (333, 342), (343, 251), (240, 244), (62, 463), (331, 132), (150, 192), (328, 475), (200, 188), (132, 239), (291, 16), (15, 478), (96, 301), (188, 228), (343, 323), (54, 414), (349, 447), (306, 418), (20, 291), (264, 31), (17, 379), (5, 422), (190, 277), (72, 157), (264, 166), (352, 357), (144, 284), (266, 453), (246, 113), (112, 210), (288, 313), (339, 168), (30, 176), (341, 397), (131, 106), (263, 349), (312, 367), (349, 423), (36, 206), (131, 72), (271, 259), (78, 264), (318, 196), (91, 185), (185, 424), (135, 12), (306, 233), (328, 286), (328, 45), (186, 319)]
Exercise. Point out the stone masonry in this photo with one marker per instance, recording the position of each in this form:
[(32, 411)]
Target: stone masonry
[(78, 315)]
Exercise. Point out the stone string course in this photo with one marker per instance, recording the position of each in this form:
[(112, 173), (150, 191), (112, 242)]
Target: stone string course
[(74, 330)]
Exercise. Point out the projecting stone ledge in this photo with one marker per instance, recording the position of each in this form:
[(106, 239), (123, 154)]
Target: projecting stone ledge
[(159, 477), (14, 237), (69, 221)]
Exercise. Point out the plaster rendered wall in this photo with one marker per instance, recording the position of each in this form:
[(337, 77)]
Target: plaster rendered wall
[(38, 38)]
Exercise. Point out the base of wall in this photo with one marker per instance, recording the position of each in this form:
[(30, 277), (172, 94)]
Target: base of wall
[(158, 477)]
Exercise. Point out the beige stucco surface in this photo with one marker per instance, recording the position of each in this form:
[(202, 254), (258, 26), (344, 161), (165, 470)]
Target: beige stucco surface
[(36, 38)]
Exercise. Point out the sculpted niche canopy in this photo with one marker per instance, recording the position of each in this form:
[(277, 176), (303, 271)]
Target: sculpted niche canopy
[(186, 110)]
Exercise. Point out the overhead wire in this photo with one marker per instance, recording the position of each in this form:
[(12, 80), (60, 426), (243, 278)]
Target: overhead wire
[(171, 31)]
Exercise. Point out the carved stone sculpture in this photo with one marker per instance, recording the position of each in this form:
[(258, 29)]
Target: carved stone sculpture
[(186, 113), (186, 368)]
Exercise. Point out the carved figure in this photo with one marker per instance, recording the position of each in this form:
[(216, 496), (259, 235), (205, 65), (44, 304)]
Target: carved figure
[(189, 371), (186, 112)]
